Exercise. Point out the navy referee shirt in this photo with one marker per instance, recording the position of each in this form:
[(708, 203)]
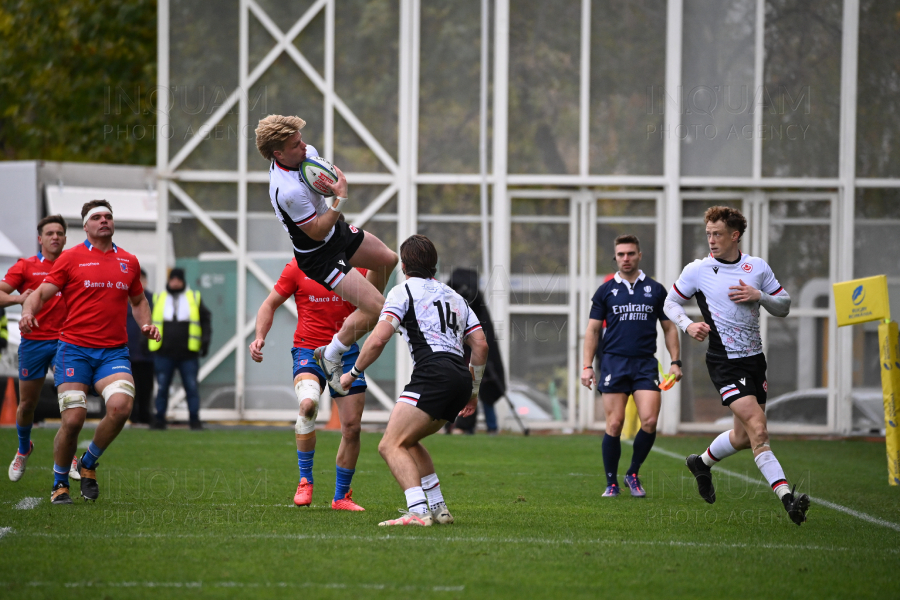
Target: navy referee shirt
[(630, 313)]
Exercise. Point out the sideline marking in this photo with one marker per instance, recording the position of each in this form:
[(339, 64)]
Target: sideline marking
[(27, 503), (853, 513), (238, 584), (5, 530), (464, 540)]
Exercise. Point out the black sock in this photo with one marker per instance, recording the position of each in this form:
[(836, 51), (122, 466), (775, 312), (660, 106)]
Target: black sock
[(643, 441), (612, 450)]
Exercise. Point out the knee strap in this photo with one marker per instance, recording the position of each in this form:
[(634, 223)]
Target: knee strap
[(71, 399), (307, 389), (120, 386)]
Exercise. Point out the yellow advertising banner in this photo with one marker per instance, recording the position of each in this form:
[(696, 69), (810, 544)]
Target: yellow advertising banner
[(862, 300), (889, 353)]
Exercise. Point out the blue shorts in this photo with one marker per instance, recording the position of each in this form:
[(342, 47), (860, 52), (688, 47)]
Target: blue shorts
[(35, 357), (304, 362), (625, 374), (79, 364)]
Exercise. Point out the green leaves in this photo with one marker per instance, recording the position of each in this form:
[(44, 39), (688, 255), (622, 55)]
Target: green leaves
[(60, 63)]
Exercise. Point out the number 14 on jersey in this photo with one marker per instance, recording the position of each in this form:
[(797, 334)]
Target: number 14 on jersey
[(450, 319)]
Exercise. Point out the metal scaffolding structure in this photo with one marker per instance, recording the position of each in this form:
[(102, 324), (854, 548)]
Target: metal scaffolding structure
[(500, 188)]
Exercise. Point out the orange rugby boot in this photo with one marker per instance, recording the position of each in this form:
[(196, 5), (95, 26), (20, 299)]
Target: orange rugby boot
[(303, 497)]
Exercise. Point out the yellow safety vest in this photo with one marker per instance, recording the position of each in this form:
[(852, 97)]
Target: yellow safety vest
[(194, 330), (4, 331)]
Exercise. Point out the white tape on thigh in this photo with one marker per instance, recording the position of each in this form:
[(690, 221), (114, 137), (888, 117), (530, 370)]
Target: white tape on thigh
[(119, 386), (307, 389), (71, 399)]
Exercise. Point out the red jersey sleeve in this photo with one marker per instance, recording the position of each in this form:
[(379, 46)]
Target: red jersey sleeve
[(287, 283), (15, 277), (59, 276), (136, 288)]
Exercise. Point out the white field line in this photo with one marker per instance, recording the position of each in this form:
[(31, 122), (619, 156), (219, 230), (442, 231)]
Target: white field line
[(825, 503), (27, 503), (454, 539), (239, 584), (5, 530)]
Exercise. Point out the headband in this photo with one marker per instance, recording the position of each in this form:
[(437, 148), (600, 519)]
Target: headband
[(93, 211)]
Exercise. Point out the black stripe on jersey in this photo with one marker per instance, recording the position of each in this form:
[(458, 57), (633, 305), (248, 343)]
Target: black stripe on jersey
[(716, 347), (284, 168), (776, 292), (300, 240), (675, 287), (421, 349)]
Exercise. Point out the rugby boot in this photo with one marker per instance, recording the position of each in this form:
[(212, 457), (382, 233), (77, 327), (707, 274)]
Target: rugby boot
[(346, 503), (703, 475), (409, 518), (441, 515), (796, 506), (73, 470), (17, 466), (634, 484), (89, 488), (60, 494), (303, 497), (333, 370), (611, 491)]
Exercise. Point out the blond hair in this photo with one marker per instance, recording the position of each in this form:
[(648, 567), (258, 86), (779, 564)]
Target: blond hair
[(273, 131)]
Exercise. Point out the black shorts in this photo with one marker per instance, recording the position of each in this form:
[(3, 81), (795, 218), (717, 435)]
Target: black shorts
[(738, 377), (439, 387), (328, 265)]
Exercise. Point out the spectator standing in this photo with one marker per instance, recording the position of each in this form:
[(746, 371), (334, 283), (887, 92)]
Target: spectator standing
[(465, 283), (185, 328)]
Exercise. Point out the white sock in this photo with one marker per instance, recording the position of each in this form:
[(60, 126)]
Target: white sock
[(335, 349), (720, 448), (432, 488), (772, 471), (415, 500)]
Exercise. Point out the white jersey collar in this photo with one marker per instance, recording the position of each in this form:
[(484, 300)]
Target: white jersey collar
[(619, 279)]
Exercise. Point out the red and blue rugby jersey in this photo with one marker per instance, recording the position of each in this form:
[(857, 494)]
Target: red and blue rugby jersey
[(28, 274), (96, 286), (320, 313)]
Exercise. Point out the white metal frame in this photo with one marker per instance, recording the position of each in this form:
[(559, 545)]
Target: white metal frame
[(403, 177)]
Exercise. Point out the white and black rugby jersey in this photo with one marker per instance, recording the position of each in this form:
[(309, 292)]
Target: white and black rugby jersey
[(296, 204), (734, 328), (433, 318)]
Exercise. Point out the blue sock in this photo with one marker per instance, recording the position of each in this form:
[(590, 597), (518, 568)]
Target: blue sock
[(305, 461), (60, 475), (643, 441), (89, 458), (24, 432), (342, 482), (612, 450)]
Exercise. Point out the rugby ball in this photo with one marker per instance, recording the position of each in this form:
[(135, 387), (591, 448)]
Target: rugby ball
[(317, 173)]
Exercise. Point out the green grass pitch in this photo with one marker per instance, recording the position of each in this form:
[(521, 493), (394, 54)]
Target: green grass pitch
[(209, 514)]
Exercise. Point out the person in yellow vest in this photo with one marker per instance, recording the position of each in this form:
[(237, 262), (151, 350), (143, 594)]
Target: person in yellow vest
[(184, 325), (4, 331)]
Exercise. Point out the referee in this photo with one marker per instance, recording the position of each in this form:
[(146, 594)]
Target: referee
[(631, 303), (730, 287)]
